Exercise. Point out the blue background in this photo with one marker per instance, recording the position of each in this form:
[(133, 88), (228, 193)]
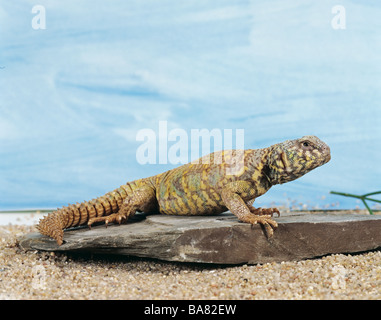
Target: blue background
[(74, 96)]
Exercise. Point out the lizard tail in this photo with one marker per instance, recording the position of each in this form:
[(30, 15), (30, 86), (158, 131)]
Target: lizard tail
[(52, 226), (78, 214)]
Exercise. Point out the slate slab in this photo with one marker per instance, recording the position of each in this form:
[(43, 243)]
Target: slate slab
[(222, 239)]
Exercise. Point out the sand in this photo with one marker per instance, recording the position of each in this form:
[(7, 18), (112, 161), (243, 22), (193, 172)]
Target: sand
[(42, 275)]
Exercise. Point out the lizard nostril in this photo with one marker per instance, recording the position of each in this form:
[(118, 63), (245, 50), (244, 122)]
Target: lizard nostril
[(327, 151)]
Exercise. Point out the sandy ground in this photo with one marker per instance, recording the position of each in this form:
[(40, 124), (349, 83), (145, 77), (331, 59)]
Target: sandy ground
[(41, 275)]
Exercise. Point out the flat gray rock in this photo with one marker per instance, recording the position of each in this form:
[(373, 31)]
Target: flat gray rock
[(222, 239)]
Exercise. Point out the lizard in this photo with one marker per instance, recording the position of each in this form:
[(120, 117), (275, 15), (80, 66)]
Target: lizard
[(206, 186)]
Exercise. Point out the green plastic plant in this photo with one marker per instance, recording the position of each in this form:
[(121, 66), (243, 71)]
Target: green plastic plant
[(362, 197)]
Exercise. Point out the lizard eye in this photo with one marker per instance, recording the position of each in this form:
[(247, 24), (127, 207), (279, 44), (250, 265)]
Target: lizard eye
[(306, 144)]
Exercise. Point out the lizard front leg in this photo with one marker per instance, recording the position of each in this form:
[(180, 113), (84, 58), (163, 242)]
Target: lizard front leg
[(232, 195), (142, 199)]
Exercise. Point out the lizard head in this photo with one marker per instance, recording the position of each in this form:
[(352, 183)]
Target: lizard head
[(292, 159)]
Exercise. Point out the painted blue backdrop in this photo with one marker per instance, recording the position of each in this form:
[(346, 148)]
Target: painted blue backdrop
[(74, 95)]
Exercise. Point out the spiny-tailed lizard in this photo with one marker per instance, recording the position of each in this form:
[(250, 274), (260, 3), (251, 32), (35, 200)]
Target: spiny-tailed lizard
[(210, 185)]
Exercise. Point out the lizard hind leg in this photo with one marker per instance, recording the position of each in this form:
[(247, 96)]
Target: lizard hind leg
[(261, 211), (140, 199), (264, 211)]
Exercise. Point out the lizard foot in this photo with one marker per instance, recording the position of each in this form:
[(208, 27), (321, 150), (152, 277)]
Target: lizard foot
[(261, 212), (115, 217), (265, 220)]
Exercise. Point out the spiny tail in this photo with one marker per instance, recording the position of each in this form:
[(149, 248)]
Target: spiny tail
[(80, 213)]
